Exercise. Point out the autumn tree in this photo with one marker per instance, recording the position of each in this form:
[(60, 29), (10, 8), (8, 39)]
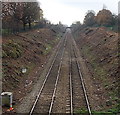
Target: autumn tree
[(6, 15), (104, 17), (15, 14), (31, 13)]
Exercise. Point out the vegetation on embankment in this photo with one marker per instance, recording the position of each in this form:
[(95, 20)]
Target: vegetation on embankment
[(23, 57), (28, 40), (99, 48)]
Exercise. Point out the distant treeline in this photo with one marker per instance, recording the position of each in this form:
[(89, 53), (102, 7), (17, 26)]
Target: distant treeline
[(103, 18), (21, 16)]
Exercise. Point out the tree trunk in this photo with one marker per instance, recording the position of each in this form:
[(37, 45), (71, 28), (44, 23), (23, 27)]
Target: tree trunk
[(29, 25)]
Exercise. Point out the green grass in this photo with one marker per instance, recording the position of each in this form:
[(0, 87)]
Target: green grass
[(48, 49), (113, 111), (102, 113), (81, 111), (12, 50), (30, 67), (49, 46), (98, 70), (101, 74)]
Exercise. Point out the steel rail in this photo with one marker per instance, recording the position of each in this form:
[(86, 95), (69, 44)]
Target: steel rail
[(83, 85), (41, 89), (81, 77), (56, 83), (71, 89)]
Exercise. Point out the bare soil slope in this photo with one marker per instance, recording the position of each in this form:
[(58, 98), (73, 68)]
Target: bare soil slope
[(99, 48), (30, 51)]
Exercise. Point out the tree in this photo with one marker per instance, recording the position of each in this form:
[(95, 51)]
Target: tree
[(89, 19), (31, 13), (6, 15), (16, 13), (76, 26), (115, 19), (119, 22), (104, 17)]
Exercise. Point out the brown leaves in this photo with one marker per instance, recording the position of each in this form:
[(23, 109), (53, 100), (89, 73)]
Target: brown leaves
[(104, 17)]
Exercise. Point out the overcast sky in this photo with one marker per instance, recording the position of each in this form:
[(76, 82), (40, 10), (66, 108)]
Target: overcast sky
[(69, 11)]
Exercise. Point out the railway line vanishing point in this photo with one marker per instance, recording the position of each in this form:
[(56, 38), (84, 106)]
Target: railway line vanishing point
[(51, 97)]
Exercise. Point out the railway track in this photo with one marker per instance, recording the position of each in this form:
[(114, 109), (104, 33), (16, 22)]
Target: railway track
[(76, 97), (45, 98), (79, 97)]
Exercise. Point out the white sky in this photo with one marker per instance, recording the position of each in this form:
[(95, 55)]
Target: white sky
[(69, 11)]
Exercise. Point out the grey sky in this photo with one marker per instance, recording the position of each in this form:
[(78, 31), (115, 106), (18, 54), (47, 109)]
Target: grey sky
[(68, 11)]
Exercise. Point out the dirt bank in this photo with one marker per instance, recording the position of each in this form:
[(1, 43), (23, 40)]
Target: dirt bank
[(99, 48), (24, 57)]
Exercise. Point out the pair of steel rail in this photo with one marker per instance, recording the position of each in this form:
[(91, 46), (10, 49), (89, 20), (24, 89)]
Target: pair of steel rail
[(57, 79), (55, 87)]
